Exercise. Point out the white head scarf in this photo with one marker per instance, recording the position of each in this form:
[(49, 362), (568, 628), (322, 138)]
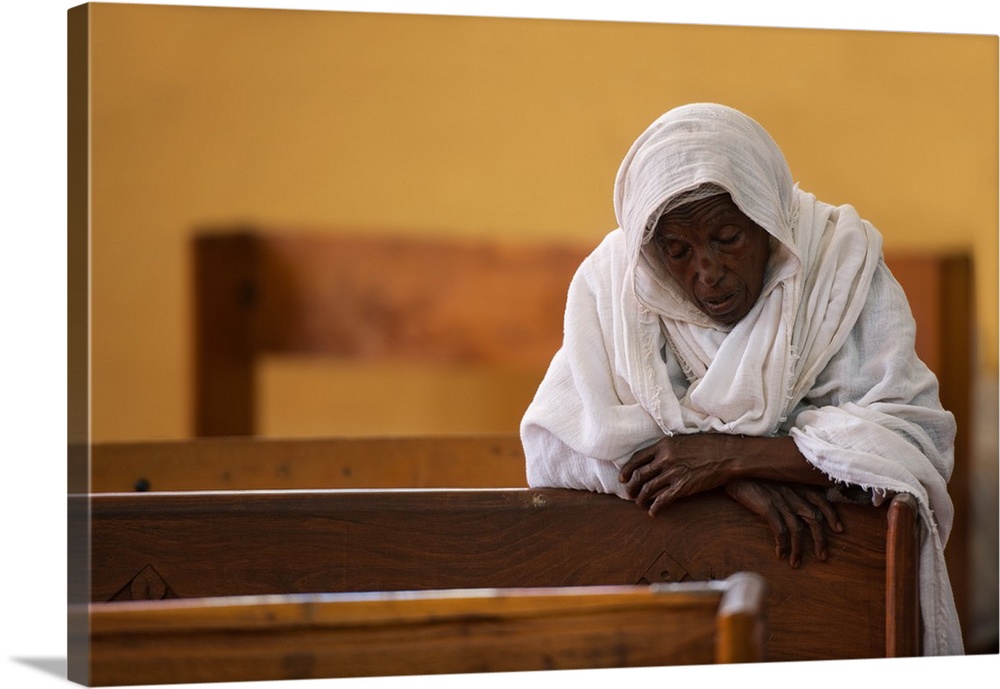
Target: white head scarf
[(745, 378), (691, 152), (704, 142)]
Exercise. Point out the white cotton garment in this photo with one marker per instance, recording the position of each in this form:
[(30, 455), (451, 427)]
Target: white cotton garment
[(825, 355)]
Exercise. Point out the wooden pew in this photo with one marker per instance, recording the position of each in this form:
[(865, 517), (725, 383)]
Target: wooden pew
[(860, 603), (300, 636), (493, 460)]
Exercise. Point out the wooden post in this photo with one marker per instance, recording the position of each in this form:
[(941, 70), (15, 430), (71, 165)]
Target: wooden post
[(225, 307), (902, 583)]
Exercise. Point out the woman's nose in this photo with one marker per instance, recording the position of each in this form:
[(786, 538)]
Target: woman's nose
[(710, 268)]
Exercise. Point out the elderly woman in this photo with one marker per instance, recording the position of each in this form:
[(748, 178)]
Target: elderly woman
[(735, 332)]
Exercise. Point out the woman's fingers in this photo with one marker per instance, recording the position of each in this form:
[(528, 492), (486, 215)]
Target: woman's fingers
[(640, 479), (830, 513), (779, 527), (640, 459), (812, 516), (655, 489), (790, 511), (761, 499), (795, 533), (818, 530), (665, 496)]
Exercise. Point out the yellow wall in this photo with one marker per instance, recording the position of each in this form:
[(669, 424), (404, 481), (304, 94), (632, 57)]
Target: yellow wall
[(477, 126)]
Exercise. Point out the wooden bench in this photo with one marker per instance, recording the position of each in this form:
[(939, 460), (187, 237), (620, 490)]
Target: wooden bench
[(860, 603), (300, 636)]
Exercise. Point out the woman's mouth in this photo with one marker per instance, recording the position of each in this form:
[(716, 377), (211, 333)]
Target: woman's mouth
[(721, 305)]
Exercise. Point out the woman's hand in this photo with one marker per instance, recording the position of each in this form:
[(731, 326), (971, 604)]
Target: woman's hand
[(790, 510), (766, 475), (679, 465)]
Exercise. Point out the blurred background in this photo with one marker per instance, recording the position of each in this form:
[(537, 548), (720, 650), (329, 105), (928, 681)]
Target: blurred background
[(448, 126)]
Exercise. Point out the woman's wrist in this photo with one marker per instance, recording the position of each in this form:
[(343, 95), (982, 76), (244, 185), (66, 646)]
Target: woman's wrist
[(769, 458), (739, 453)]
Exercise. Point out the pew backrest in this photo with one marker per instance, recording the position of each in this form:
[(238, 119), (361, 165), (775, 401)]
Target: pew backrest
[(207, 544), (493, 460), (299, 636), (365, 298)]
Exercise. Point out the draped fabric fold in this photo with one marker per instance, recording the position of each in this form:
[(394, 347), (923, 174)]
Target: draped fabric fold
[(825, 355)]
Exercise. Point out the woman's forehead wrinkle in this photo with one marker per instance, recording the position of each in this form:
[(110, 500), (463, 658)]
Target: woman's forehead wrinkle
[(710, 211)]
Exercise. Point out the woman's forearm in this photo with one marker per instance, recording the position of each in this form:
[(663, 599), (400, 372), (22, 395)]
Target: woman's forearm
[(772, 459)]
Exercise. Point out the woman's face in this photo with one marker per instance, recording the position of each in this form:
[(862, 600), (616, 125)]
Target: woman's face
[(716, 254)]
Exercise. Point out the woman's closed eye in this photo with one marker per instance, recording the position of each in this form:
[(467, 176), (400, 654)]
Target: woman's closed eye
[(729, 237), (675, 251)]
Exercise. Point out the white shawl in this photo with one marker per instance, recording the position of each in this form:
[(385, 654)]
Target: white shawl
[(825, 356)]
